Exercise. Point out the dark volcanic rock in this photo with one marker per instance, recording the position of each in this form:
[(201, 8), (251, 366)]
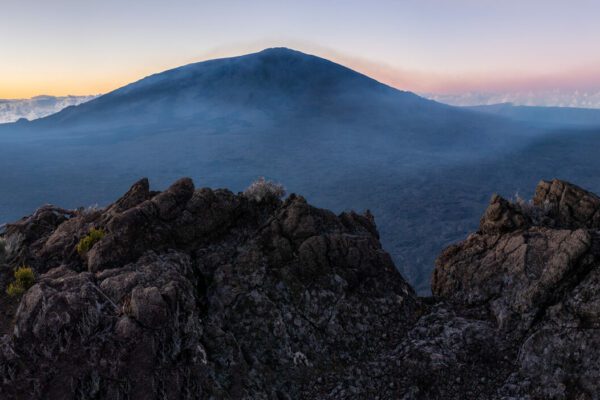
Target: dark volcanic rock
[(571, 206), (502, 216), (539, 282), (201, 294), (205, 294)]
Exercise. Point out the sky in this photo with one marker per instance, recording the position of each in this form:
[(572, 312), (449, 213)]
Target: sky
[(77, 47)]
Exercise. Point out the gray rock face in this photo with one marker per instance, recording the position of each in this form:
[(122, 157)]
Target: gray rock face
[(569, 205), (205, 294), (502, 216), (201, 294), (539, 284)]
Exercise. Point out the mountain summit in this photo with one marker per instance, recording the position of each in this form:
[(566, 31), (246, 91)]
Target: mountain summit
[(325, 130), (271, 81), (265, 89)]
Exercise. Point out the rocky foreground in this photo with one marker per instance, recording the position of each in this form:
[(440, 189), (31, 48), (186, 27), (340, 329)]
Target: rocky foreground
[(205, 294)]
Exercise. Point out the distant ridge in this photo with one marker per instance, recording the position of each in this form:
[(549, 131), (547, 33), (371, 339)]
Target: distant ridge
[(322, 129), (269, 88), (544, 116), (256, 80)]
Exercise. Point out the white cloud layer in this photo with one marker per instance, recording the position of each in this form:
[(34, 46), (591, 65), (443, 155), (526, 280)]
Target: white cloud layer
[(41, 106), (558, 98), (37, 107)]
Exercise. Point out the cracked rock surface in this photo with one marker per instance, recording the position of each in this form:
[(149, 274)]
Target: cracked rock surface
[(206, 294)]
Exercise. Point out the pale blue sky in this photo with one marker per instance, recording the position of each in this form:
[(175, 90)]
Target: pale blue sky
[(81, 47)]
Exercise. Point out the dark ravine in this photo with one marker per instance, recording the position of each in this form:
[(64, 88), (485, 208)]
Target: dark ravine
[(206, 294)]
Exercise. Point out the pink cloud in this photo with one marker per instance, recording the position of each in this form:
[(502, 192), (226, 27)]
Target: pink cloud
[(436, 82)]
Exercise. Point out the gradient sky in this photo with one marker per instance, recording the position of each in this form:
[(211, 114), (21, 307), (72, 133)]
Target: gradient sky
[(64, 47)]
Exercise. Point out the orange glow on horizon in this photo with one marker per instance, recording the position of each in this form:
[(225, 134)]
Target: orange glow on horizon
[(63, 83), (63, 86)]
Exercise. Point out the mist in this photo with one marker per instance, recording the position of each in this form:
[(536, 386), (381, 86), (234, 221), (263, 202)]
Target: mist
[(343, 140)]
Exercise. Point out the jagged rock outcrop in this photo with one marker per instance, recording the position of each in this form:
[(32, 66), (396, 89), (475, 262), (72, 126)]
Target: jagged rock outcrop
[(199, 293), (569, 206), (206, 294), (539, 284)]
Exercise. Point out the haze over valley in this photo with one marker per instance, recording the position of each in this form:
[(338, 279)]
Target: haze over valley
[(345, 141)]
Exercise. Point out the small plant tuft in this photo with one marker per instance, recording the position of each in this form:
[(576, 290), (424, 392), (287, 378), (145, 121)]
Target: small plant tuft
[(88, 241), (526, 206), (262, 189), (89, 210), (24, 279), (535, 213)]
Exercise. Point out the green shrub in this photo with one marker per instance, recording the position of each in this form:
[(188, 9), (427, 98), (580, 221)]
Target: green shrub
[(88, 241), (24, 279)]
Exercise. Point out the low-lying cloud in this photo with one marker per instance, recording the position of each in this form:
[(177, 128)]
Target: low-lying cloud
[(558, 98), (37, 107)]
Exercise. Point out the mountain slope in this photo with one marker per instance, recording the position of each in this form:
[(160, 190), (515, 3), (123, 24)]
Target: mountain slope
[(274, 86), (339, 137)]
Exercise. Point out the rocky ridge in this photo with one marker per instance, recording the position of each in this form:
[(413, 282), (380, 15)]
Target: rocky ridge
[(206, 294)]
